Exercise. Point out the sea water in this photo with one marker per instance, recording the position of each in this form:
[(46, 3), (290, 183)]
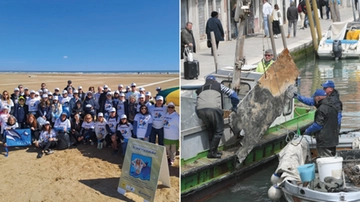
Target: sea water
[(346, 75)]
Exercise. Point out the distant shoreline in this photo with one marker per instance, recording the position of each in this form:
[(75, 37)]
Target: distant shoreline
[(91, 72)]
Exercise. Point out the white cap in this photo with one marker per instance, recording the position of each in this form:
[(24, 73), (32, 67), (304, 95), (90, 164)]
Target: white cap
[(45, 90), (56, 98), (64, 91), (122, 94), (76, 91), (26, 88), (100, 114), (142, 96), (64, 113), (133, 84), (108, 93), (40, 91), (58, 89), (37, 93), (88, 106), (80, 87), (148, 93), (109, 89), (123, 116), (127, 87), (113, 110), (50, 93), (69, 88), (89, 92), (171, 104), (105, 86), (117, 92), (142, 89), (47, 123), (159, 97), (32, 91), (16, 89), (120, 85), (45, 96), (158, 88)]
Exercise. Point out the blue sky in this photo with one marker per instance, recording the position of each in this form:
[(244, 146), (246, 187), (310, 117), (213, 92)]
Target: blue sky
[(89, 35)]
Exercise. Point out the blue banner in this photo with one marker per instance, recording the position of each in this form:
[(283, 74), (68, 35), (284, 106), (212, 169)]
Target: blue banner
[(18, 137)]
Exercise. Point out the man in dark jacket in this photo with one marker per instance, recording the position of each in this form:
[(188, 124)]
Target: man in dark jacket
[(187, 39), (325, 125), (214, 25), (292, 17), (210, 112)]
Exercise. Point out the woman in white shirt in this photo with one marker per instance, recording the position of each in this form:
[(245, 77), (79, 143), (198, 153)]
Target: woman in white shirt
[(46, 140), (171, 132)]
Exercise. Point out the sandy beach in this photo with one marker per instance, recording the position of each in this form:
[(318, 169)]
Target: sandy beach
[(82, 173)]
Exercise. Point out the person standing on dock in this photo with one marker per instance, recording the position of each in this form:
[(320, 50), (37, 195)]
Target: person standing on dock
[(324, 127), (276, 15), (266, 62), (210, 112), (187, 39), (292, 17), (214, 25), (266, 11)]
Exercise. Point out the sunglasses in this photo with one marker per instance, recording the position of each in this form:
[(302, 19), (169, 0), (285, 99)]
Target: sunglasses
[(267, 55), (171, 107)]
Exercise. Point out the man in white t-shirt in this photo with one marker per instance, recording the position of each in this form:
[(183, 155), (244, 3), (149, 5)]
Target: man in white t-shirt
[(267, 9)]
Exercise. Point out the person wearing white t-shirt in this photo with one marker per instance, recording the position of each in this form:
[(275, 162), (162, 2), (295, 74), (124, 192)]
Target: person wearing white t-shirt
[(171, 132), (133, 92), (266, 11), (32, 103), (125, 132), (158, 112), (100, 130), (143, 124)]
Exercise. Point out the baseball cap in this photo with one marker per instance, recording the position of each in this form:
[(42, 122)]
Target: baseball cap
[(32, 91), (45, 95), (133, 84), (112, 109), (21, 98), (56, 98), (116, 92), (57, 89), (37, 93), (45, 90), (47, 123), (100, 114), (120, 85), (108, 93), (76, 91), (89, 92), (122, 94), (64, 91), (142, 96), (148, 93), (40, 91), (26, 88), (50, 93), (16, 89), (171, 104), (319, 92), (127, 87), (158, 88), (105, 86), (328, 84), (142, 89), (80, 87), (64, 113), (123, 116), (159, 97)]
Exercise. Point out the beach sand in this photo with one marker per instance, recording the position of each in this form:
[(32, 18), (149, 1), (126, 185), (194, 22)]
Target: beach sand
[(82, 173)]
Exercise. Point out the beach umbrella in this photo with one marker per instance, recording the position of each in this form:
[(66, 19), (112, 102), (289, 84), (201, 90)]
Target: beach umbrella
[(171, 95)]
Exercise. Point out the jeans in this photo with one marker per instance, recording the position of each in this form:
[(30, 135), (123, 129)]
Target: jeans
[(266, 26), (292, 23), (160, 133)]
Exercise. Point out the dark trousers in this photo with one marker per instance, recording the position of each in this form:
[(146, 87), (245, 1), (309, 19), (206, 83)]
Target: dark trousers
[(214, 121), (48, 145), (160, 133)]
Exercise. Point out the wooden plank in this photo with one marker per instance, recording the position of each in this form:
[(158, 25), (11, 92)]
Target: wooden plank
[(264, 103)]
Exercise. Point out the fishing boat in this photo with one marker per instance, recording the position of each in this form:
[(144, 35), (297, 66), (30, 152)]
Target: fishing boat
[(267, 115), (336, 179), (341, 40)]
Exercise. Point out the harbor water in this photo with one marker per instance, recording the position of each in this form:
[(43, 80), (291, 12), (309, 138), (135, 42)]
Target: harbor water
[(346, 75)]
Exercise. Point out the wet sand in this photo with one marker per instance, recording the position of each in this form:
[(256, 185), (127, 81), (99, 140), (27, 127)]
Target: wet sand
[(82, 173)]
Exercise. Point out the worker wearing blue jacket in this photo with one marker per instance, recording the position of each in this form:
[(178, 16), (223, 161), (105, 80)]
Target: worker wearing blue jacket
[(324, 127), (332, 96), (208, 109)]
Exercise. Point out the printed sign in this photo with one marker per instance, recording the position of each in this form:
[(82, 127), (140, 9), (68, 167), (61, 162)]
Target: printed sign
[(144, 165), (18, 137)]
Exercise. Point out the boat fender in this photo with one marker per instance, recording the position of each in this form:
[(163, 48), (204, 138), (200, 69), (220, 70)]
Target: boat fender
[(275, 178), (274, 193)]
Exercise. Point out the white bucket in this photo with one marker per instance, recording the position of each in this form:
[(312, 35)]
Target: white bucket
[(329, 166)]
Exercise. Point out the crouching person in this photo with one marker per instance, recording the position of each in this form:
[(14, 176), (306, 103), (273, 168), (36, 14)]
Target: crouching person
[(88, 130), (62, 127), (47, 140), (125, 132)]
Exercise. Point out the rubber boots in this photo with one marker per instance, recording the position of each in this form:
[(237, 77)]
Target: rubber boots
[(213, 152)]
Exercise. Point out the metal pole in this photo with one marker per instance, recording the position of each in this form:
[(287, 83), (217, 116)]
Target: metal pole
[(214, 49), (311, 21), (283, 36), (318, 26), (271, 37)]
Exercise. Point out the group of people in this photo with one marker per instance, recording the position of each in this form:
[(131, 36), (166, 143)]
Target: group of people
[(104, 117)]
